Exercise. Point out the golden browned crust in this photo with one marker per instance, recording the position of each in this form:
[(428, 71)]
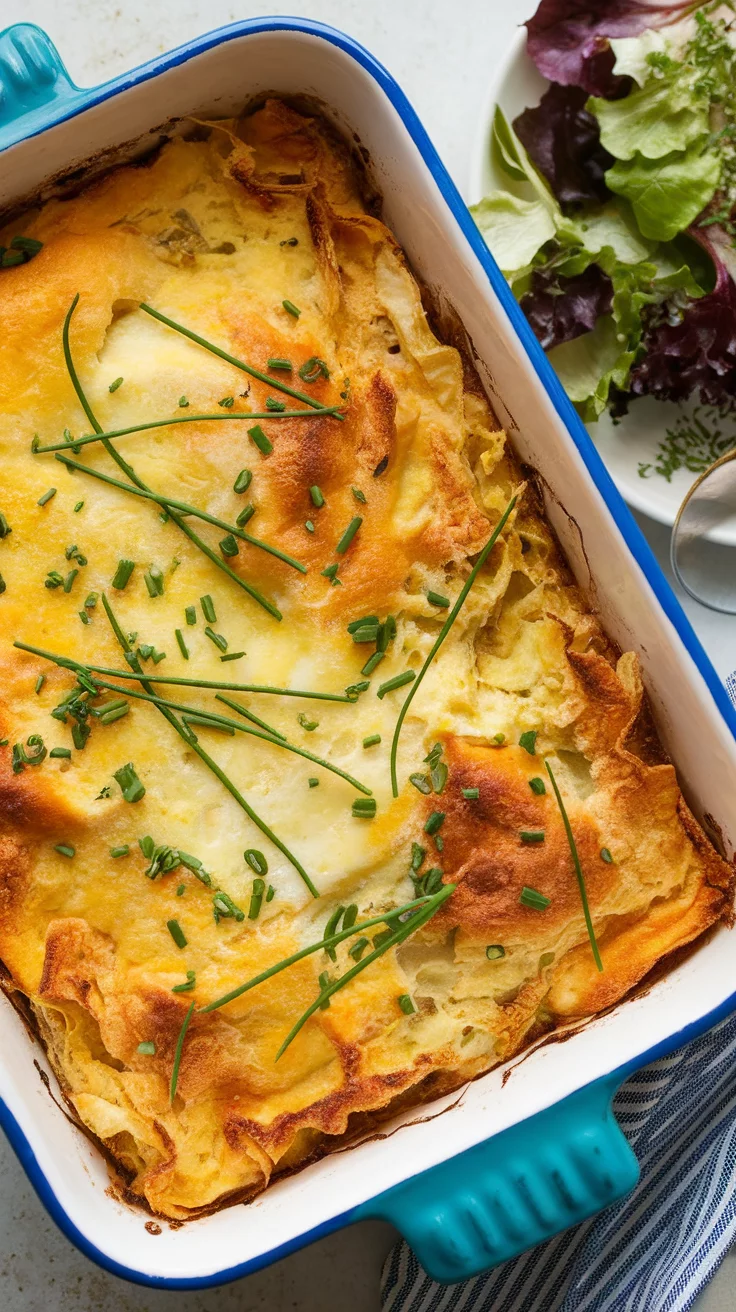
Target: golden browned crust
[(217, 233)]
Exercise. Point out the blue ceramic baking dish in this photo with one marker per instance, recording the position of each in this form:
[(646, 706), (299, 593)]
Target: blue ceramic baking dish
[(526, 1150)]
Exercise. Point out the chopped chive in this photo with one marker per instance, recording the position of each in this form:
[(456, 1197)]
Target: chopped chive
[(436, 599), (470, 793), (528, 741), (233, 656), (359, 496), (183, 402), (434, 822), (217, 638), (530, 897), (122, 574), (351, 915), (177, 933), (406, 1004), (91, 601), (223, 907), (605, 854), (228, 545), (354, 690), (317, 496), (5, 528), (3, 585), (438, 775), (537, 786), (348, 535), (191, 983), (9, 259), (494, 951), (181, 890), (78, 507), (190, 614), (60, 754), (386, 632), (123, 850), (243, 481), (40, 681), (246, 513), (30, 246), (364, 630), (64, 849), (227, 402), (284, 365), (256, 898), (290, 241), (531, 835), (314, 783), (258, 437), (484, 554), (291, 309), (115, 385), (68, 581), (372, 740), (398, 681), (84, 617), (256, 860), (306, 722), (46, 497), (312, 369), (364, 808), (208, 608), (270, 893), (309, 526), (358, 948), (182, 645), (54, 579), (418, 853), (147, 1049), (273, 404), (421, 783), (331, 928), (499, 739), (114, 713), (372, 662), (132, 788)]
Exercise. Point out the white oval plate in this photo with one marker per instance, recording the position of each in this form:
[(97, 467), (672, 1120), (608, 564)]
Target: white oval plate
[(635, 438)]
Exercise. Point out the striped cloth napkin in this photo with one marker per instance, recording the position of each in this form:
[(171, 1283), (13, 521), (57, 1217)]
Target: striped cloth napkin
[(655, 1250)]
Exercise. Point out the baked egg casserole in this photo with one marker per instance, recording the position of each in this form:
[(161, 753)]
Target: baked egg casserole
[(322, 788)]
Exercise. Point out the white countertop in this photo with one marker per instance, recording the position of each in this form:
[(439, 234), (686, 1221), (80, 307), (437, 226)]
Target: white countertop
[(444, 56)]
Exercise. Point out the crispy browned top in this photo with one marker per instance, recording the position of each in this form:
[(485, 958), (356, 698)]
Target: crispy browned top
[(217, 234)]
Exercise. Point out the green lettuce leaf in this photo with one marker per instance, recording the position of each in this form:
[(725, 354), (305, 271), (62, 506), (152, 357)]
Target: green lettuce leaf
[(588, 365), (667, 194), (664, 115), (514, 229)]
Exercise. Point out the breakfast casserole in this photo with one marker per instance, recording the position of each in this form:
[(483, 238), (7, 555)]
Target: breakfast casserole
[(322, 788)]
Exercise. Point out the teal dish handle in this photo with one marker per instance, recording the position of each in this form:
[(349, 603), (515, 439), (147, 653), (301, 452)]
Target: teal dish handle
[(34, 83), (517, 1189)]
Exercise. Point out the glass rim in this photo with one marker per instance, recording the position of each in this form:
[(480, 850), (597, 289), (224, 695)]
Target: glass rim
[(725, 459)]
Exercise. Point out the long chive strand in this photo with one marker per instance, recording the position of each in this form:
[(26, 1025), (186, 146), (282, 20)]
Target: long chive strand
[(185, 508), (183, 419), (226, 721), (578, 867), (204, 756), (396, 938), (131, 474), (67, 663), (443, 634), (274, 383), (325, 943)]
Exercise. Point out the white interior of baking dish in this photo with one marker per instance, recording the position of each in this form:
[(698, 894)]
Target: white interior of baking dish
[(217, 82)]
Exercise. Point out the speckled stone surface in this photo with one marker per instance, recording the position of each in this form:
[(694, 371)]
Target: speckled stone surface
[(444, 55)]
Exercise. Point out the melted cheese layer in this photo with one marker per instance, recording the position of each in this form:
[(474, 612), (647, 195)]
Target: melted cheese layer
[(217, 235)]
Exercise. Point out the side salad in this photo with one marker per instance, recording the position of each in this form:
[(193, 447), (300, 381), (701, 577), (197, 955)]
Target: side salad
[(617, 227)]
